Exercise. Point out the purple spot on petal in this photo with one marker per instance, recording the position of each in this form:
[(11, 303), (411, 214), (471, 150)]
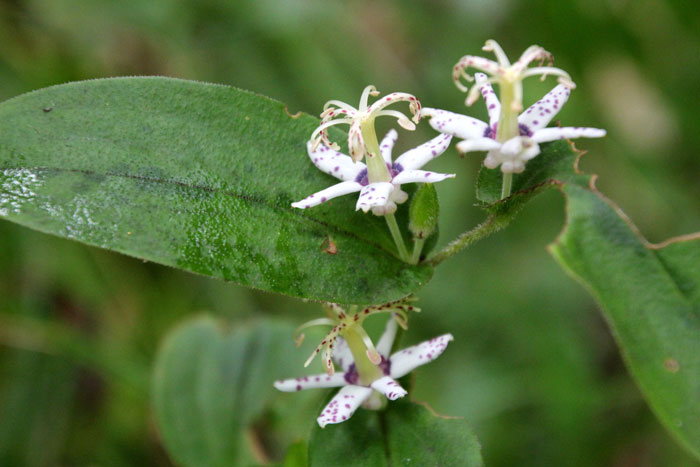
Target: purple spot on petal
[(362, 178)]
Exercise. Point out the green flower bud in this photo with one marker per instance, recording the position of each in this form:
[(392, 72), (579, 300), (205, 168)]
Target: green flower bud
[(424, 211)]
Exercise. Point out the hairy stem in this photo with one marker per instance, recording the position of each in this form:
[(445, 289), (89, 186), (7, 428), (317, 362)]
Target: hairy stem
[(493, 223)]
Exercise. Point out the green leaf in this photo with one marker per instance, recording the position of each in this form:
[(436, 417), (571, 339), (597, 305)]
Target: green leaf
[(210, 383), (552, 167), (194, 176), (651, 299), (404, 434), (650, 296)]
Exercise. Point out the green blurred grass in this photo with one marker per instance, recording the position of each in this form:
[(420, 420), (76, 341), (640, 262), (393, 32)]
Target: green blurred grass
[(533, 367)]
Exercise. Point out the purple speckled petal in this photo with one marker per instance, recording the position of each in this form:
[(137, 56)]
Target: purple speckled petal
[(339, 189), (493, 106), (374, 194), (405, 361), (539, 114), (343, 404), (389, 387), (477, 144), (421, 155), (387, 145), (311, 382), (334, 163), (551, 134), (455, 124), (342, 355), (420, 176)]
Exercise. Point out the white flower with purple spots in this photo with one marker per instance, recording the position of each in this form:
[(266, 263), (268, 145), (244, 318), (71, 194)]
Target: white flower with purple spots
[(380, 197), (353, 392), (508, 76), (513, 153), (336, 112)]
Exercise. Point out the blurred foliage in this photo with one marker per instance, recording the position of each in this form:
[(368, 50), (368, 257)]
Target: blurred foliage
[(533, 367)]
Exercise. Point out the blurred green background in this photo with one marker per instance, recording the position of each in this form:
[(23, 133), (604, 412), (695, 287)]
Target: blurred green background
[(533, 367)]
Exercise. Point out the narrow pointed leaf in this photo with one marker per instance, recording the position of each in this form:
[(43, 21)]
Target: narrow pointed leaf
[(195, 176)]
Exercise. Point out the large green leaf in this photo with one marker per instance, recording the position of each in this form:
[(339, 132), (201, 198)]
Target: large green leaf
[(649, 295), (208, 385), (403, 434), (651, 299), (195, 176)]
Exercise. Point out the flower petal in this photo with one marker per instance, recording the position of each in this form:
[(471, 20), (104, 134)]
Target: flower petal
[(339, 189), (455, 124), (420, 176), (342, 355), (334, 163), (477, 144), (387, 145), (387, 340), (539, 114), (551, 134), (421, 155), (311, 382), (406, 360), (493, 105), (389, 387), (374, 194), (343, 404)]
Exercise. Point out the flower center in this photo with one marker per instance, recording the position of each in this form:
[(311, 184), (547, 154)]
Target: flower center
[(491, 131), (394, 169), (353, 377)]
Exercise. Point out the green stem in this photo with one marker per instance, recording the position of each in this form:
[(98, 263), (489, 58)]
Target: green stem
[(417, 249), (493, 223), (396, 234), (507, 183)]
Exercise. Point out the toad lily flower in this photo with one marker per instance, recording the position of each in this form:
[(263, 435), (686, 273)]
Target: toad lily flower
[(361, 120), (362, 141), (357, 390), (513, 153), (381, 197), (509, 77), (505, 141)]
